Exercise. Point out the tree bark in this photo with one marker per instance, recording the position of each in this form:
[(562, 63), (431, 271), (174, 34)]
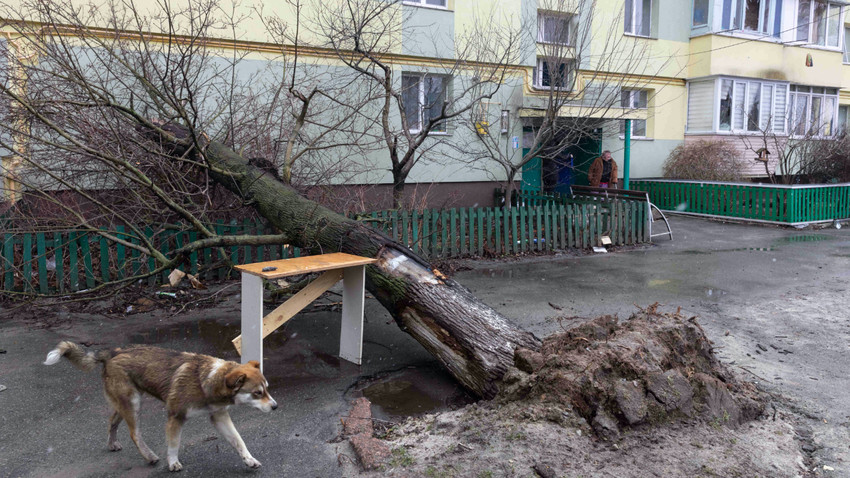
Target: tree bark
[(473, 341)]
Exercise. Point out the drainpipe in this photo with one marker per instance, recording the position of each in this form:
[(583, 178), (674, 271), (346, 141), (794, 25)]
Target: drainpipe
[(626, 153)]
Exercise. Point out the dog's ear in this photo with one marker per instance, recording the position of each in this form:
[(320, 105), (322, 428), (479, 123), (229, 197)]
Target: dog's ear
[(254, 363), (234, 380)]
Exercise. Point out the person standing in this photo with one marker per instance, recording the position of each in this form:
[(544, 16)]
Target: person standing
[(603, 172)]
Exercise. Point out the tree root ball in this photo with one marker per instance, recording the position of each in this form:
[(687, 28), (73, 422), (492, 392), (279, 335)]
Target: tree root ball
[(650, 369)]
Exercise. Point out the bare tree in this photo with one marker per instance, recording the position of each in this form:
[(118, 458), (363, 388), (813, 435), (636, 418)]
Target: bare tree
[(130, 112), (417, 106), (585, 80)]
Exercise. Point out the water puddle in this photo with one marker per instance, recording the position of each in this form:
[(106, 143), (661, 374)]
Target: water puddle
[(217, 335), (412, 392)]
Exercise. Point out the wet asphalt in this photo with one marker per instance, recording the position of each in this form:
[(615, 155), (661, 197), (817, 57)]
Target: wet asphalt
[(749, 285)]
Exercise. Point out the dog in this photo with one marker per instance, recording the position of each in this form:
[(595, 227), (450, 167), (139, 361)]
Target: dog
[(188, 383)]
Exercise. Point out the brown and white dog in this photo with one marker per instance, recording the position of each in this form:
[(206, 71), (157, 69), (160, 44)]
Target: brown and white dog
[(188, 383)]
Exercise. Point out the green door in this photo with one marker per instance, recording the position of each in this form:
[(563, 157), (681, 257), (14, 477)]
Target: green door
[(532, 174)]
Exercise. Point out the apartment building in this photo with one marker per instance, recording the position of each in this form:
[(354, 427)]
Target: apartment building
[(679, 70)]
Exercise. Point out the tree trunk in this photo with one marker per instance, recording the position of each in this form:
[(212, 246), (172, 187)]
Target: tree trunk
[(473, 341)]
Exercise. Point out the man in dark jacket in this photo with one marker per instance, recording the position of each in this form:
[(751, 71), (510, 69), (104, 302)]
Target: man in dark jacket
[(603, 171)]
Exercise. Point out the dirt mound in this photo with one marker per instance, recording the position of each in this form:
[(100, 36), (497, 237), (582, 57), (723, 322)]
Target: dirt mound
[(652, 368)]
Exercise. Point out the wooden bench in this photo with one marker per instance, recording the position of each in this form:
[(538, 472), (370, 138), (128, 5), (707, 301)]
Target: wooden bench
[(336, 266), (604, 194)]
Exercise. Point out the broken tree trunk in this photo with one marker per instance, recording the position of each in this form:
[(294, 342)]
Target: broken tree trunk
[(473, 341)]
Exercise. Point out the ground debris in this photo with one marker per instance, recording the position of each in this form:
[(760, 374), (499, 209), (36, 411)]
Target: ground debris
[(650, 369)]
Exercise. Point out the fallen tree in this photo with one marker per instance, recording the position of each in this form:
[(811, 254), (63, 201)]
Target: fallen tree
[(80, 125), (474, 342)]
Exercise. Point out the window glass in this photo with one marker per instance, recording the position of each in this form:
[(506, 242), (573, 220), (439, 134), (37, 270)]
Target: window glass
[(832, 25), (646, 14), (815, 115), (819, 23), (639, 128), (800, 109), (629, 16), (555, 29), (435, 98), (437, 3), (410, 99), (803, 14), (767, 100), (828, 117), (637, 17), (700, 13), (779, 110), (725, 105), (738, 111), (846, 45), (751, 15), (842, 118), (753, 105)]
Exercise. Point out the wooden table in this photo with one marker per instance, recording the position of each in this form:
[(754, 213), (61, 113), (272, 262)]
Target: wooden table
[(349, 268)]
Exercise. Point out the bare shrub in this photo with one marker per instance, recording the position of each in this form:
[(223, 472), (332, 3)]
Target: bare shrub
[(827, 160), (705, 160)]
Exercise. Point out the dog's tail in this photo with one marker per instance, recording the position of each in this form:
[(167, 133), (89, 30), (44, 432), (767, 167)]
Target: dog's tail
[(76, 355)]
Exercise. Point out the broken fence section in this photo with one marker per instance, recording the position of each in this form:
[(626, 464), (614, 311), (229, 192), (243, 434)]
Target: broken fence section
[(59, 262)]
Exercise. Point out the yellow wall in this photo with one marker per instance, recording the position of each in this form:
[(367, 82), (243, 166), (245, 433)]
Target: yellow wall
[(724, 55)]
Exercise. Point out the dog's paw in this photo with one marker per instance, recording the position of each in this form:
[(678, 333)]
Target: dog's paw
[(176, 466), (115, 446), (153, 460), (251, 462)]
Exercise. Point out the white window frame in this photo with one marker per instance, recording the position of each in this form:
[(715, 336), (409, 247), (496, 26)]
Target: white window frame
[(846, 45), (504, 122), (541, 27), (810, 40), (794, 96), (630, 26), (422, 106), (634, 104), (423, 3), (537, 73), (764, 28), (739, 111)]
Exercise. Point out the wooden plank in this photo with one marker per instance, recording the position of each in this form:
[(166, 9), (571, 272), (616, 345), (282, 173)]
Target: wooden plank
[(85, 252), (516, 239), (453, 231), (41, 250), (303, 265), (296, 303), (73, 265), (498, 244), (463, 230), (234, 250), (405, 224), (481, 212), (26, 264), (59, 255), (562, 226), (103, 247), (414, 231), (120, 253), (540, 234), (444, 233), (426, 233), (523, 239)]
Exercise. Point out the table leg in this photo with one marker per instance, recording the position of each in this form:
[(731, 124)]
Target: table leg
[(252, 318), (351, 335)]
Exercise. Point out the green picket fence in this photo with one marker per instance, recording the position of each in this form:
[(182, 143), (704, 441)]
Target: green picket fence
[(69, 261), (781, 204)]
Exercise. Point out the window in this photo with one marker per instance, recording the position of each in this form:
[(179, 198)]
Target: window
[(558, 75), (730, 105), (504, 122), (757, 16), (554, 28), (814, 111), (843, 113), (634, 99), (428, 3), (819, 22), (700, 13), (637, 17), (846, 45), (423, 97)]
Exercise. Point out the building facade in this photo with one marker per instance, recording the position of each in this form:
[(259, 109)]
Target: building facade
[(740, 71)]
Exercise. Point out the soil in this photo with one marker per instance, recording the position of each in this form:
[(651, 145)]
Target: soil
[(642, 397)]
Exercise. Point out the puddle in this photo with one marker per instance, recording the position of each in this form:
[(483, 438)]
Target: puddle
[(413, 392), (216, 335), (500, 273)]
